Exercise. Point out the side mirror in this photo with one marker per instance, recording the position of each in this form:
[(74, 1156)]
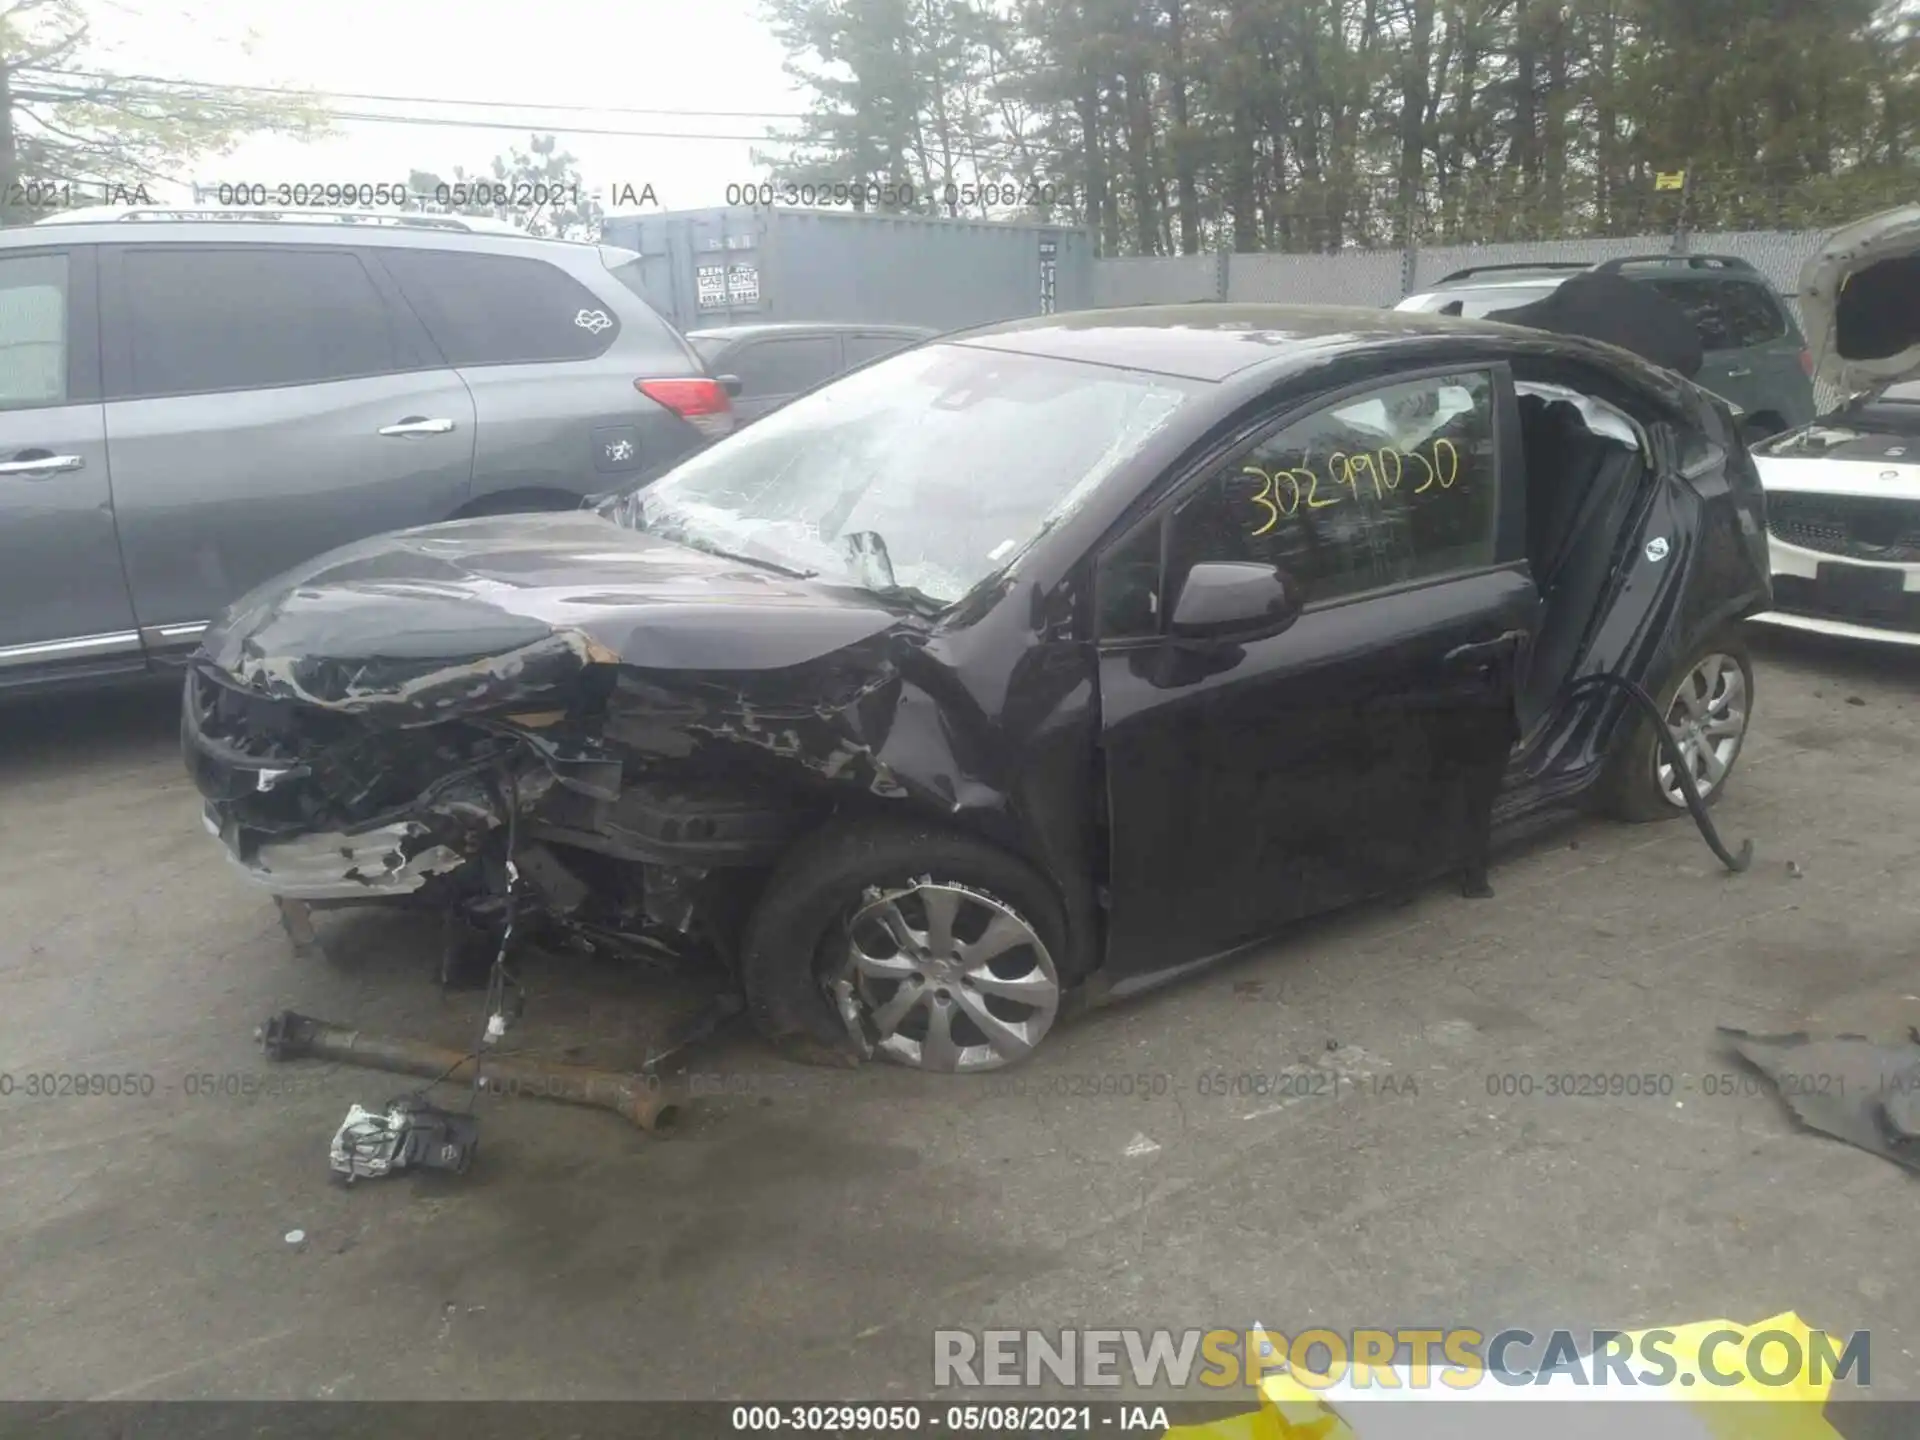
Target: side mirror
[(1233, 597), (731, 384)]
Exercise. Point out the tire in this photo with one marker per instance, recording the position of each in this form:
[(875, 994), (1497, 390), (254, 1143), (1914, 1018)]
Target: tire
[(799, 941), (1632, 789)]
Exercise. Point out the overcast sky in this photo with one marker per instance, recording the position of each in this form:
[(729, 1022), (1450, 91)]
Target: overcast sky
[(661, 54)]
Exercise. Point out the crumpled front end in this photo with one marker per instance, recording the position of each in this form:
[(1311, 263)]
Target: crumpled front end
[(637, 808), (316, 806)]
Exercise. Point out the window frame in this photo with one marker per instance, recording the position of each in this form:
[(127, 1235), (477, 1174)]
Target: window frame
[(82, 325), (760, 342), (1199, 467), (1717, 286), (897, 343), (413, 349), (607, 339)]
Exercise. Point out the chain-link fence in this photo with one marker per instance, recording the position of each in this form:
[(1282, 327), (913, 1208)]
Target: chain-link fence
[(1382, 277)]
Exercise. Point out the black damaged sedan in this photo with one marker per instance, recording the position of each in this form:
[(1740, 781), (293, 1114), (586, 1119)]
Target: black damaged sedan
[(1030, 666)]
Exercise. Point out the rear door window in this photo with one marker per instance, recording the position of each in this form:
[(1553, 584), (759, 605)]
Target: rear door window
[(1729, 314), (785, 367), (862, 348), (33, 331), (501, 309), (205, 318)]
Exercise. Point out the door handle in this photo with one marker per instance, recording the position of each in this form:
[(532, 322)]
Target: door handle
[(45, 465), (417, 425), (1486, 652), (1738, 374)]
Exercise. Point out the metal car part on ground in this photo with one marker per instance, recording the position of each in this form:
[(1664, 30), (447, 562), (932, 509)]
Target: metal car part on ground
[(1029, 669)]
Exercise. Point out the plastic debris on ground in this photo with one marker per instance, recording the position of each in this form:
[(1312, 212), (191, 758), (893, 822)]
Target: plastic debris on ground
[(1846, 1086)]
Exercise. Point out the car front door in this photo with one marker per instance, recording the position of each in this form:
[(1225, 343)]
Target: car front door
[(266, 403), (774, 371), (63, 596), (1258, 776)]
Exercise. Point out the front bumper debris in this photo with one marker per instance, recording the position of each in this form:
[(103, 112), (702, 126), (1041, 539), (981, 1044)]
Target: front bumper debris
[(310, 807), (393, 859)]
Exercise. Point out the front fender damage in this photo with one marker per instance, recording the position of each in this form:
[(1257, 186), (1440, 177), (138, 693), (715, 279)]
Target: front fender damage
[(641, 806)]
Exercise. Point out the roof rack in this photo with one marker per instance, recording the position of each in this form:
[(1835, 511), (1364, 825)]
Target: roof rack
[(1691, 262), (1521, 265), (106, 214)]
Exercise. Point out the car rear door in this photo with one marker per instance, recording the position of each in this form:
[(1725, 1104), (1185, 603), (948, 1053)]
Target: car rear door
[(1255, 778), (557, 372), (64, 607), (1753, 351), (265, 403), (775, 369)]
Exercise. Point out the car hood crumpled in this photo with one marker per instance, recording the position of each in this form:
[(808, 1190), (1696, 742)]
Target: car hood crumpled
[(1860, 303), (457, 617)]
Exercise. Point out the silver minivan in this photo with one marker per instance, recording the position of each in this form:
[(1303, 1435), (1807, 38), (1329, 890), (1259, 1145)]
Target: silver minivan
[(193, 402)]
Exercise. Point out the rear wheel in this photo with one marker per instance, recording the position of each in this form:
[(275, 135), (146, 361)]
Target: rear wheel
[(941, 952), (1708, 706)]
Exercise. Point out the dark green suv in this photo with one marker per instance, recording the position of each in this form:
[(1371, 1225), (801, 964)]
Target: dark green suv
[(1755, 354)]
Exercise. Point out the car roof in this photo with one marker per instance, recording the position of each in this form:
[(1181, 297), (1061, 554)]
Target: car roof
[(1498, 280), (804, 327), (1691, 265), (1211, 341), (173, 224)]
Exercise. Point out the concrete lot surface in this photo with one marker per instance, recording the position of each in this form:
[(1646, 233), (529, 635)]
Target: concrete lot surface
[(806, 1231)]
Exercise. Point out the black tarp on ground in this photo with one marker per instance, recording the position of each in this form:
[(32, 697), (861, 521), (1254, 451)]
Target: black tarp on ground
[(1608, 307), (1846, 1086)]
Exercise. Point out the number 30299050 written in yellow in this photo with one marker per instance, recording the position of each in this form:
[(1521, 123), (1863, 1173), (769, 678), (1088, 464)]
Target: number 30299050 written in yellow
[(1282, 493)]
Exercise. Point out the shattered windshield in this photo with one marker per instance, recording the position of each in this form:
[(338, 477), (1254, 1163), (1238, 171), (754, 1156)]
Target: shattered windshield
[(920, 476)]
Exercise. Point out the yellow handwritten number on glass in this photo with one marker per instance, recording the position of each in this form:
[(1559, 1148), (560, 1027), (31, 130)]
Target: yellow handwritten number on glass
[(1373, 474), (1452, 465), (1264, 498), (1398, 466)]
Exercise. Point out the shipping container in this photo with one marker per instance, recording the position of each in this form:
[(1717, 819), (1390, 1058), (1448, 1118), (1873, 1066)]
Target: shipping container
[(740, 264)]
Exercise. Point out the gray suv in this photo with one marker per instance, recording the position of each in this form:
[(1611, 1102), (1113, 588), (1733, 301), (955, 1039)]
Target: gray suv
[(191, 404), (1754, 353)]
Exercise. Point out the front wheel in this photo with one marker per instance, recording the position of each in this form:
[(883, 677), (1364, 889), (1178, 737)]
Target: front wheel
[(1708, 708), (928, 948)]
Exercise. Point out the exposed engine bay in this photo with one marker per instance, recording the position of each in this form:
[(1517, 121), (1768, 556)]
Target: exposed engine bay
[(624, 829)]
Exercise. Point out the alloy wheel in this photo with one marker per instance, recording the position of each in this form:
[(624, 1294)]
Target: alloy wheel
[(942, 977), (1708, 721)]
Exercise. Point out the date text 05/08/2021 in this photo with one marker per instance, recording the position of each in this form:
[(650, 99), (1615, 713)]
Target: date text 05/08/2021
[(1007, 194), (847, 1420), (143, 1085), (393, 194)]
